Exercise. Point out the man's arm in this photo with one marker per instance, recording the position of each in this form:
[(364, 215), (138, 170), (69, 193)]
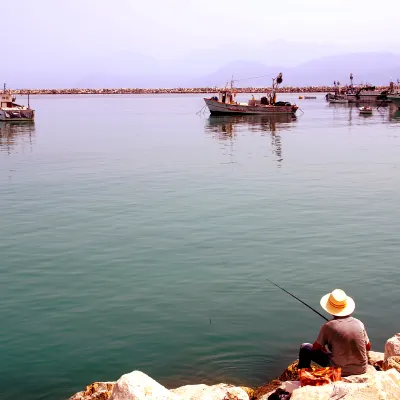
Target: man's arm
[(316, 346)]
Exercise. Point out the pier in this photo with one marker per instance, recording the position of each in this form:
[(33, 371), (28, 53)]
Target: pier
[(205, 90)]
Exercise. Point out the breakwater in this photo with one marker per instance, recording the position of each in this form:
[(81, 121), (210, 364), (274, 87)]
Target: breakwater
[(288, 89)]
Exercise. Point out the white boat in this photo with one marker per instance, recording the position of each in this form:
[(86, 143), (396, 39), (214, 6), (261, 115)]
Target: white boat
[(11, 111), (365, 110), (225, 104)]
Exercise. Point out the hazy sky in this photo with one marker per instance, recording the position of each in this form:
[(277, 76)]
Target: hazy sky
[(165, 28)]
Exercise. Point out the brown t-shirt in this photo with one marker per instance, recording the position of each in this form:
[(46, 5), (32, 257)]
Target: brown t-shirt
[(346, 338)]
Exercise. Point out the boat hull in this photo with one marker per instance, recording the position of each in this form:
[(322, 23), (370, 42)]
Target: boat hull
[(395, 99), (17, 115), (366, 97), (219, 108)]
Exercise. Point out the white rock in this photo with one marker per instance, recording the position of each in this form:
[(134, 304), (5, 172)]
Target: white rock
[(368, 376), (375, 358), (392, 346), (214, 392), (378, 386), (139, 386)]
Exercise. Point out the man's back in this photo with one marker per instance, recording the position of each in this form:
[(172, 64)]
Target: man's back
[(347, 340)]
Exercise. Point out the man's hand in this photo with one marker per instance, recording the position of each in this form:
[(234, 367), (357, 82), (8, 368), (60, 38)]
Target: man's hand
[(316, 346)]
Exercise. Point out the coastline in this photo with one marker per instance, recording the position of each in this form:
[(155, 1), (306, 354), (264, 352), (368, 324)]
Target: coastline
[(381, 380), (203, 90)]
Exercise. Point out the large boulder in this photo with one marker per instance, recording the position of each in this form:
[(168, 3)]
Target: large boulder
[(139, 386), (392, 346), (95, 391), (221, 391), (392, 362), (373, 385)]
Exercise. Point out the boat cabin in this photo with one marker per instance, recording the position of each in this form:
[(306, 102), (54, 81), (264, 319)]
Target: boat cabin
[(225, 96), (6, 100)]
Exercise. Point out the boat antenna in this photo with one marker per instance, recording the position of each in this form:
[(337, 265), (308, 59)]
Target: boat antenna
[(301, 301)]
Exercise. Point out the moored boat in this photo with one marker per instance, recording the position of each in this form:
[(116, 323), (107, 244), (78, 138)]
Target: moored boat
[(11, 111), (225, 104), (395, 99), (365, 110)]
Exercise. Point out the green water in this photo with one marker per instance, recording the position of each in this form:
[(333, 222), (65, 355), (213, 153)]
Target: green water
[(129, 223)]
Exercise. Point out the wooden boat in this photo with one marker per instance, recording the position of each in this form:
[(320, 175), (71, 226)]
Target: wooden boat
[(11, 111), (225, 104), (365, 110)]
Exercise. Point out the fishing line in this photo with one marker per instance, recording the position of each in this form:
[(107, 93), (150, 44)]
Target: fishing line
[(301, 301)]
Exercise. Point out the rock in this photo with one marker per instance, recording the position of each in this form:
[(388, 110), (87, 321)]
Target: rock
[(267, 389), (290, 373), (250, 392), (95, 391), (392, 362), (368, 376), (392, 346), (139, 386), (374, 385), (375, 359), (221, 391)]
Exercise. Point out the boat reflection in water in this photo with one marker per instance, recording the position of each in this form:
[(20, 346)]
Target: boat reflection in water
[(229, 127), (394, 113), (16, 136)]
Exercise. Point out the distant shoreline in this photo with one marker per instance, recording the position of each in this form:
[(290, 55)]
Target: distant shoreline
[(206, 90)]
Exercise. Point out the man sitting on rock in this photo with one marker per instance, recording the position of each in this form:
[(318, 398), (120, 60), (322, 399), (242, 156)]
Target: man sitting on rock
[(342, 341)]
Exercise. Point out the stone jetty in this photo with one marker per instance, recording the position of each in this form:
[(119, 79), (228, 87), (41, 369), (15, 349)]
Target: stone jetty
[(288, 89), (381, 381)]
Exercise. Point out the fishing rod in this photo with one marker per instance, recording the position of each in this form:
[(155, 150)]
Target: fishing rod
[(301, 301)]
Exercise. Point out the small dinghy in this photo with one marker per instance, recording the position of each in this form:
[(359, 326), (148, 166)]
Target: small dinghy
[(365, 110)]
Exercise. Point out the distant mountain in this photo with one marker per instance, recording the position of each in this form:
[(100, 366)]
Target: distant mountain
[(241, 72), (375, 68), (213, 67)]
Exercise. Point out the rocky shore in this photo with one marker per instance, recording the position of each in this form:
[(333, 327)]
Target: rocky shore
[(305, 89), (380, 382)]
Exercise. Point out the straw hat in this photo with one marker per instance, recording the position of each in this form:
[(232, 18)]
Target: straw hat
[(338, 303)]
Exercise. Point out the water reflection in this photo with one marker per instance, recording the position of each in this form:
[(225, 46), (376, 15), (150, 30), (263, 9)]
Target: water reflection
[(394, 113), (226, 128), (16, 136), (381, 113)]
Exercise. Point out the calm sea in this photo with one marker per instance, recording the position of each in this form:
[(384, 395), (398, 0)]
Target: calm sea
[(136, 234)]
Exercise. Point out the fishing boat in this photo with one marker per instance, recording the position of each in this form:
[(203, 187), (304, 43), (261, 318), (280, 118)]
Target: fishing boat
[(11, 111), (367, 93), (365, 110), (225, 104), (395, 99)]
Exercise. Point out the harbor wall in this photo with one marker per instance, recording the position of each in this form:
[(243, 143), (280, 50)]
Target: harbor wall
[(204, 90)]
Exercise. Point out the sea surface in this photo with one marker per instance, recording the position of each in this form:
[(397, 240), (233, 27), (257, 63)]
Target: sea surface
[(137, 234)]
